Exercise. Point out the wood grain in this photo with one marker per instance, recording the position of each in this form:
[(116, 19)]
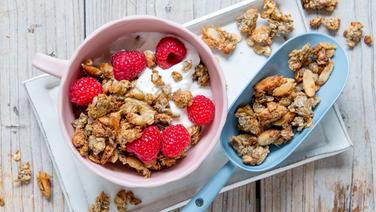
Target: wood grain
[(340, 183)]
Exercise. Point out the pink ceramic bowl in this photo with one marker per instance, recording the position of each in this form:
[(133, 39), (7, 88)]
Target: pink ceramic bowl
[(97, 43)]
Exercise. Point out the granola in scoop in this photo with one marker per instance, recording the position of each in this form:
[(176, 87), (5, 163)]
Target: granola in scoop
[(281, 105)]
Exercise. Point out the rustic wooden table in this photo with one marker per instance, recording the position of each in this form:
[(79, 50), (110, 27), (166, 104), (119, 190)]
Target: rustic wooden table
[(341, 183)]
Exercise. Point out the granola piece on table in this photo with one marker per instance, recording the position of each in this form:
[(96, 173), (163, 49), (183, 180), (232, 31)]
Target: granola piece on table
[(102, 203), (219, 39), (24, 174), (315, 22), (332, 23), (123, 198), (368, 40), (353, 34), (327, 5), (17, 155), (247, 21), (281, 24), (2, 202), (261, 40), (44, 183)]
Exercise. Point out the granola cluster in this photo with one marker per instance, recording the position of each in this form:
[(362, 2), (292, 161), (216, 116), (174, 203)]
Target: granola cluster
[(331, 23), (353, 33), (261, 38), (102, 203), (119, 115), (281, 104), (219, 39), (327, 5), (122, 199)]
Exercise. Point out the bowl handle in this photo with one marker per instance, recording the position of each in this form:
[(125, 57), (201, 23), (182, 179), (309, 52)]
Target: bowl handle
[(50, 65)]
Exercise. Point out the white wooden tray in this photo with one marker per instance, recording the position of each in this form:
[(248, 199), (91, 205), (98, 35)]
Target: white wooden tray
[(80, 186)]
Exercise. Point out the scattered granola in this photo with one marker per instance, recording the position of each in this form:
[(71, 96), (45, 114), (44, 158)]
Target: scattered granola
[(219, 39), (182, 98), (17, 155), (123, 198), (102, 203), (176, 76), (328, 5), (2, 202), (353, 34), (24, 174), (315, 22), (368, 40), (280, 104), (44, 183), (201, 75), (332, 23)]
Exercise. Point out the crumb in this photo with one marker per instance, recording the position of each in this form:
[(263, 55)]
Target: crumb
[(353, 34), (219, 39), (17, 155), (315, 22), (182, 98), (24, 174), (368, 40), (44, 183), (2, 202), (332, 23), (176, 76), (102, 203)]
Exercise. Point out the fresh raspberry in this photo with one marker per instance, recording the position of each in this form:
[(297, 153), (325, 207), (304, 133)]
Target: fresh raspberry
[(170, 51), (201, 111), (84, 90), (175, 138), (148, 146), (127, 65)]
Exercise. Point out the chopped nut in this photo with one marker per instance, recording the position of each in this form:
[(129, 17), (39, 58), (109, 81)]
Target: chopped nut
[(44, 183), (309, 83), (247, 21), (17, 155), (176, 76), (268, 84), (150, 59), (201, 75), (187, 65), (102, 203), (368, 40), (123, 198), (24, 174), (219, 39), (182, 98), (156, 79), (353, 34), (332, 23), (325, 73), (328, 5), (315, 22)]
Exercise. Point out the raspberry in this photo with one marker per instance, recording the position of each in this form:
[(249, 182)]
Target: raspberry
[(201, 111), (148, 146), (84, 90), (170, 51), (175, 138), (127, 65)]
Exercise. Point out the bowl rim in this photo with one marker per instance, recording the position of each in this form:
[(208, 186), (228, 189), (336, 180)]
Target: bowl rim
[(187, 170)]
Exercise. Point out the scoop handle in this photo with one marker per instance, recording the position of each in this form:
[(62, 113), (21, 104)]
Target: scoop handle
[(50, 65), (207, 194)]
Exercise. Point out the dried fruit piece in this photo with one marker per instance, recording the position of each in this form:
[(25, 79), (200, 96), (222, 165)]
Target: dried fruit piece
[(315, 22), (127, 65), (44, 183), (353, 33), (102, 203), (84, 90), (169, 51), (175, 138), (201, 111), (219, 39)]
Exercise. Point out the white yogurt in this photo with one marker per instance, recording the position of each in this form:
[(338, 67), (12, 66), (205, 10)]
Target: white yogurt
[(149, 41)]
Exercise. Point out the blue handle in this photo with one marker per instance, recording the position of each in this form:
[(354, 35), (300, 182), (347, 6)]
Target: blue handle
[(206, 195)]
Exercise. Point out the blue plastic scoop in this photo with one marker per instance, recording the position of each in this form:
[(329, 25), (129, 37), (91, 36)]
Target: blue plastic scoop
[(276, 64)]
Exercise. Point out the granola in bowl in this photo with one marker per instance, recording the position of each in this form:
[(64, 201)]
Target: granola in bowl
[(143, 107), (281, 106)]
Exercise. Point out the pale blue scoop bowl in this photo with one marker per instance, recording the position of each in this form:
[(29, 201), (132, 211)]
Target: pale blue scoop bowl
[(276, 64)]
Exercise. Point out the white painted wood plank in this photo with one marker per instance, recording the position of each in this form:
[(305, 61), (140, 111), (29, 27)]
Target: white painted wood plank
[(27, 27)]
